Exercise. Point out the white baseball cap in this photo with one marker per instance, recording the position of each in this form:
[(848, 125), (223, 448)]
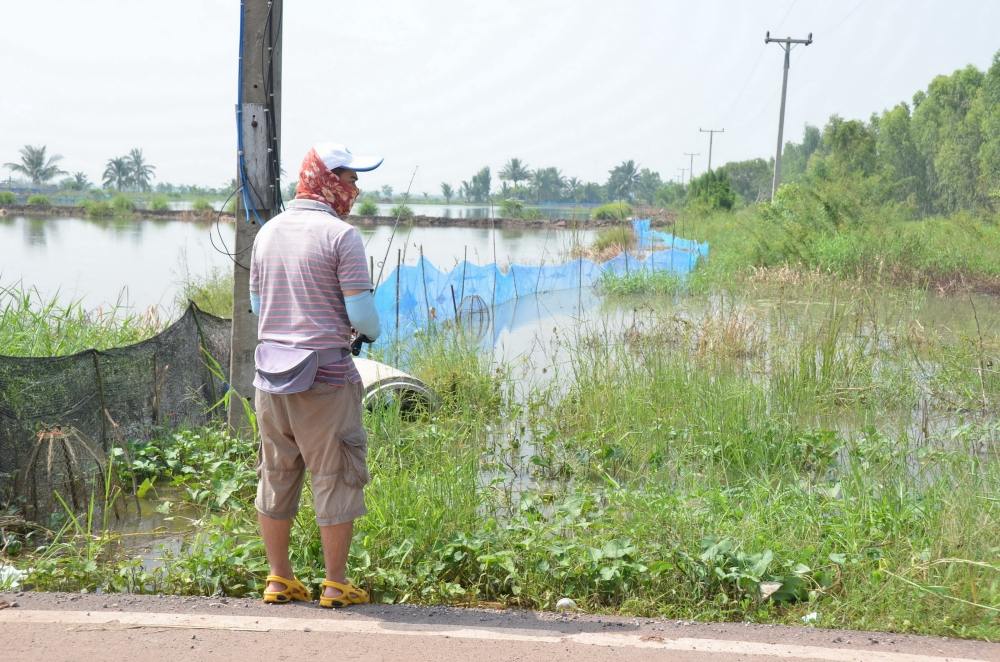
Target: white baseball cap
[(336, 155)]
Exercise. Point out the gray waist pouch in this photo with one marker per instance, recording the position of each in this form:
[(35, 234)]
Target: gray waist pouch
[(284, 370)]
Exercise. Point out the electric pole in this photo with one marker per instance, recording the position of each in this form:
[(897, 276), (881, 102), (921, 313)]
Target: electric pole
[(786, 44), (711, 134), (258, 114), (682, 171), (691, 168)]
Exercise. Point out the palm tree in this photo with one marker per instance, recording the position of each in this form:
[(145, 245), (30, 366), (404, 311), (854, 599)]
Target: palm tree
[(140, 172), (36, 166), (447, 192), (77, 182), (623, 180), (116, 173), (573, 187), (548, 183), (516, 171)]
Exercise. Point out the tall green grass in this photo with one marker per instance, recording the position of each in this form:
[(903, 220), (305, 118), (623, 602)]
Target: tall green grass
[(213, 293), (834, 231), (34, 325), (718, 448)]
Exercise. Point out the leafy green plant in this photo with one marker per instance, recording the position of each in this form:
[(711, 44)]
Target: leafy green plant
[(404, 212), (122, 205), (202, 206), (159, 203), (611, 211), (7, 198), (97, 208), (39, 200), (367, 208)]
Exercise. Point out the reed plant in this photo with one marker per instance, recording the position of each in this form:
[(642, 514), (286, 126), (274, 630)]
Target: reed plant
[(33, 324)]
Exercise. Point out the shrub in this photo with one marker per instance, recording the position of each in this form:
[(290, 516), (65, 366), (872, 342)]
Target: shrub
[(510, 208), (97, 208), (618, 237), (402, 211), (712, 191), (122, 205), (39, 200), (7, 198), (611, 211), (159, 203), (367, 208), (202, 206)]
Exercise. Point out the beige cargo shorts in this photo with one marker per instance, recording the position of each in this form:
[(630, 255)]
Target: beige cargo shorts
[(319, 430)]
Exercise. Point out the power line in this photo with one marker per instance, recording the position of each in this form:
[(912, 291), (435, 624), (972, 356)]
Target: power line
[(786, 45)]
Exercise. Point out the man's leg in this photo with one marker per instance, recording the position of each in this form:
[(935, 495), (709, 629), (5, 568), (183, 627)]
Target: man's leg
[(336, 546), (276, 533), (280, 472)]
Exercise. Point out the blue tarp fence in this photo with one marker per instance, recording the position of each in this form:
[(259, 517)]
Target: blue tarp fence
[(412, 295)]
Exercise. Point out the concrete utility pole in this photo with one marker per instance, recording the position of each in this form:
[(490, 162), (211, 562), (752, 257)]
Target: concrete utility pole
[(711, 134), (682, 171), (691, 168), (786, 44), (258, 170)]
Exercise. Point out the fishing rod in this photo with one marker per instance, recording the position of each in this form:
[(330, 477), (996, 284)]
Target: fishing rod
[(395, 225), (361, 339)]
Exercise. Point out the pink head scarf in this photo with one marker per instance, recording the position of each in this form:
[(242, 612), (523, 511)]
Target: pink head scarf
[(316, 182)]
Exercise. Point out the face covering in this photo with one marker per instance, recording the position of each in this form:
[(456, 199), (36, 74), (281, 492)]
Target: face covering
[(317, 182)]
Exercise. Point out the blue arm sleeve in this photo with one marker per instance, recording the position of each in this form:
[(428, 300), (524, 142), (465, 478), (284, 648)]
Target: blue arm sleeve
[(361, 311), (255, 303)]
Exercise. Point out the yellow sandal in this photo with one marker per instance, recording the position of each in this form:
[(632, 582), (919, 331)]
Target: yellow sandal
[(294, 590), (349, 595)]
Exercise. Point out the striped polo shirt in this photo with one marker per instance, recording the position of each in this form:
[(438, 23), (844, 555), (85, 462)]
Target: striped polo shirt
[(303, 260)]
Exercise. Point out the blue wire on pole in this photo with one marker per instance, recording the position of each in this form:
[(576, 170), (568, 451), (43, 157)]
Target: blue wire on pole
[(241, 164)]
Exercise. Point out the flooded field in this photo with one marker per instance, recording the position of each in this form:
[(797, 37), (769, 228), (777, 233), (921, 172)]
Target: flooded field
[(144, 263)]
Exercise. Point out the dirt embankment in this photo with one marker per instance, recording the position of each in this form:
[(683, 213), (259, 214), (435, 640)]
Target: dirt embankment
[(72, 211)]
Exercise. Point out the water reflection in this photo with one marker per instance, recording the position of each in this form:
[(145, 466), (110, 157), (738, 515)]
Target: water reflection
[(93, 260), (35, 233)]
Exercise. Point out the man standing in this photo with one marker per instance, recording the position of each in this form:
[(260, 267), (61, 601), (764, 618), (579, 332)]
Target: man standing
[(310, 285)]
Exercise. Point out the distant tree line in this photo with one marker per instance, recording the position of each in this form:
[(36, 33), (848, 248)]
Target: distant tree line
[(938, 155), (626, 181)]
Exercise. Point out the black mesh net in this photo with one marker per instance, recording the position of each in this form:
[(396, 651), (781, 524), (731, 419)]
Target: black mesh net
[(59, 416)]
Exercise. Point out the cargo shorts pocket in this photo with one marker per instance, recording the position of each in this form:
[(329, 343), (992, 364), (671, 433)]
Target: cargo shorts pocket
[(354, 443)]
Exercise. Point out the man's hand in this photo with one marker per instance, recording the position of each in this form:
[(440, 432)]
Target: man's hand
[(357, 342)]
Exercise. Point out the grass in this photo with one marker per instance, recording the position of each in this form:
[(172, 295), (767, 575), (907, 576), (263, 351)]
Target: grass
[(832, 233), (39, 200), (7, 198), (611, 211), (159, 203), (212, 293), (641, 281), (718, 448), (34, 325), (97, 208)]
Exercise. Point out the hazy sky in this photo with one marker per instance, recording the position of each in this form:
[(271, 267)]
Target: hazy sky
[(454, 85)]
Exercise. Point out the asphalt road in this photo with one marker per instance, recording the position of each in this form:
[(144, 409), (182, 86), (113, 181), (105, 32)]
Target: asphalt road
[(52, 627)]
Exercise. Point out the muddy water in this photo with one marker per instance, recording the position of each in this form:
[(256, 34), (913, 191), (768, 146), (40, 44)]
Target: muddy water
[(143, 263), (155, 526)]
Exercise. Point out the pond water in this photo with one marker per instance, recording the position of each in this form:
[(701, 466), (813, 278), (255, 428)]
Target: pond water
[(480, 211), (144, 263)]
